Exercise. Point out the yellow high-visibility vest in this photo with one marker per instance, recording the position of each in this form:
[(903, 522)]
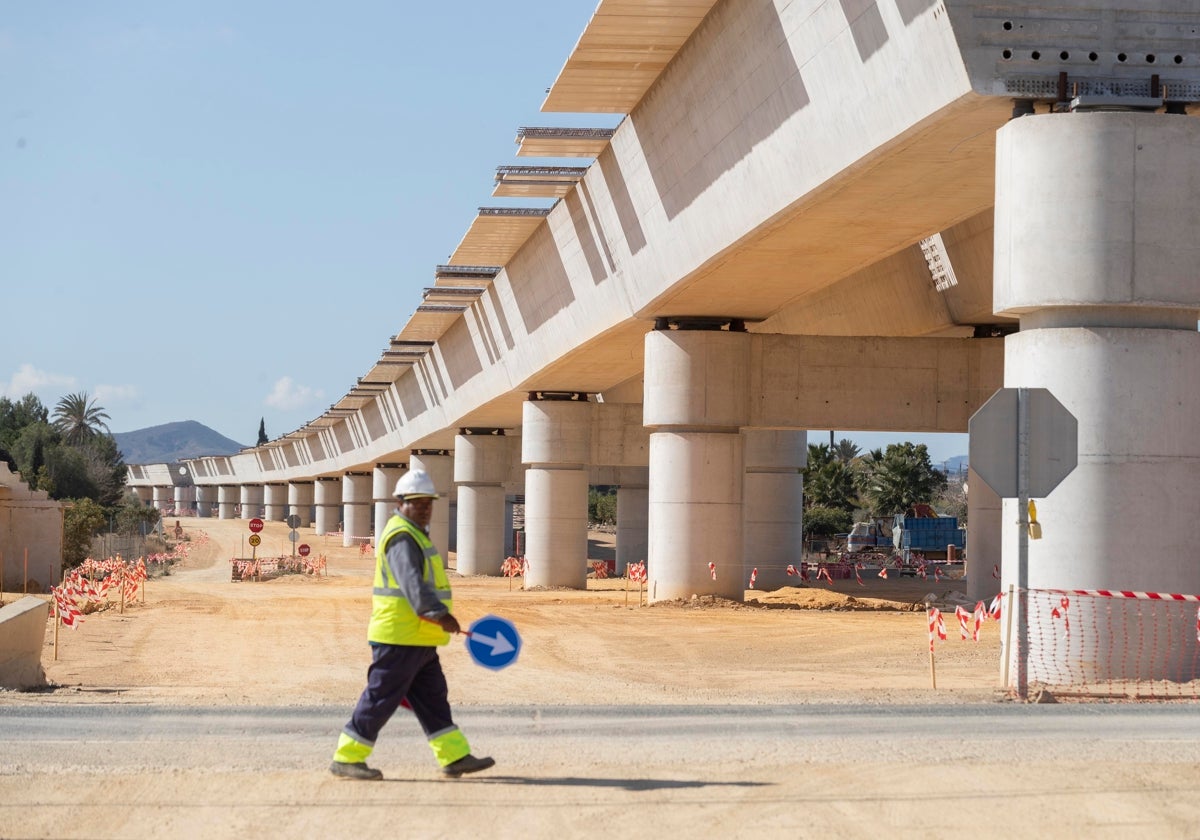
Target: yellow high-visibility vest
[(393, 621)]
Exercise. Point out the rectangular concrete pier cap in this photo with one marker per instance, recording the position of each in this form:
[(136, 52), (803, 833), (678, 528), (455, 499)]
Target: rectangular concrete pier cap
[(697, 379), (557, 432), (22, 636), (1119, 226)]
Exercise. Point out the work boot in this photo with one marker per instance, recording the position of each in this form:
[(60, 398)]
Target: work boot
[(468, 764), (358, 770)]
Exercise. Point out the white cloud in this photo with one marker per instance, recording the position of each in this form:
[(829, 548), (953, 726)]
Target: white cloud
[(106, 395), (29, 379), (287, 395)]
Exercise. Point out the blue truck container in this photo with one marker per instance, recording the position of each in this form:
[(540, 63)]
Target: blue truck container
[(927, 534)]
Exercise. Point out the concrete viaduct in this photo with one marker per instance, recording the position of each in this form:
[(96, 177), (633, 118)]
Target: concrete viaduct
[(850, 214)]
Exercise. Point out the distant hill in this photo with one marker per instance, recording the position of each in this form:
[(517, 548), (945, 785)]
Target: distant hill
[(173, 442), (956, 464)]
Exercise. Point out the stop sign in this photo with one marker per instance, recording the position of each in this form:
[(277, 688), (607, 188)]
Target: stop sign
[(1053, 443), (256, 525), (304, 549)]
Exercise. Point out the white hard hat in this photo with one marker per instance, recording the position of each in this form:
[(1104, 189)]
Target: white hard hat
[(415, 484)]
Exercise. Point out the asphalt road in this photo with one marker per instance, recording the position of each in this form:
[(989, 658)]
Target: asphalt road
[(1095, 770), (295, 738)]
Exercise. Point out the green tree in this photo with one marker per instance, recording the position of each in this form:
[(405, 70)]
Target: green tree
[(952, 501), (67, 474), (828, 481), (134, 518), (831, 486), (79, 419), (602, 506), (30, 450), (106, 468), (262, 431), (846, 450), (15, 416), (83, 519), (892, 481), (819, 454), (824, 521)]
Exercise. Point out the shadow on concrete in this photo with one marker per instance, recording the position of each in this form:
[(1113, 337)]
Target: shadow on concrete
[(711, 122), (588, 242), (539, 280), (501, 320), (909, 9), (618, 191), (372, 421), (459, 354), (623, 784), (601, 551), (602, 238), (412, 401)]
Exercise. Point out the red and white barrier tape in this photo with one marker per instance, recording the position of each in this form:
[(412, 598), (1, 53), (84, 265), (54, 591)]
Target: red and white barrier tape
[(1113, 593)]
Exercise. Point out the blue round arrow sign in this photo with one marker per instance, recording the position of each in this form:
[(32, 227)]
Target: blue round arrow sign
[(493, 642)]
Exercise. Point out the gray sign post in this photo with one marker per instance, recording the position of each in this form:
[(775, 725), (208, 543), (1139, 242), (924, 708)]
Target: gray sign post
[(1023, 442)]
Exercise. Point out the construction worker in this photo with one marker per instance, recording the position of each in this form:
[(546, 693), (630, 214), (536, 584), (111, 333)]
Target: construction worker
[(410, 617)]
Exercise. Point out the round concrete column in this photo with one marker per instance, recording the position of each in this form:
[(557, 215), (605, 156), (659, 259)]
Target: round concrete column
[(773, 501), (300, 501), (1102, 269), (252, 501), (204, 500), (555, 447), (327, 497), (227, 499), (696, 400), (633, 517), (163, 499), (185, 497), (482, 463), (439, 463), (383, 486), (985, 523), (357, 505), (274, 502)]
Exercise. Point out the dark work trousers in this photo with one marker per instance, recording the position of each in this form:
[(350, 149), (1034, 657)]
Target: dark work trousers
[(396, 672)]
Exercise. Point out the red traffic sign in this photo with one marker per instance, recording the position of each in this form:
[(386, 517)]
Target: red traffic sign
[(256, 525), (304, 549)]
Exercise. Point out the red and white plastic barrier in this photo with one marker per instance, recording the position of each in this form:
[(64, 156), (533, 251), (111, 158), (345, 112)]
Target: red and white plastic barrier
[(1128, 643)]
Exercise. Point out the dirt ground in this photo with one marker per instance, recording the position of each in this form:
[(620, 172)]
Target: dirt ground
[(238, 643), (200, 640)]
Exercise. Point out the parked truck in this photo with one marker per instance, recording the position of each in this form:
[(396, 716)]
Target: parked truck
[(924, 532), (873, 536)]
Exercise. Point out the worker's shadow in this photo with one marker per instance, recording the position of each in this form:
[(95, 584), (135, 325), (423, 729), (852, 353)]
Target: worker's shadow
[(624, 784)]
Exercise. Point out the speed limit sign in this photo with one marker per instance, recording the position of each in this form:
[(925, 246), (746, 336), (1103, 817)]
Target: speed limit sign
[(255, 540)]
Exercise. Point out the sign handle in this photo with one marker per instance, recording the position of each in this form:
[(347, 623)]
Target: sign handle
[(1022, 540)]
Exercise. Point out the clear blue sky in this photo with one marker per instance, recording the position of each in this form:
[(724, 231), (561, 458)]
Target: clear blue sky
[(184, 186)]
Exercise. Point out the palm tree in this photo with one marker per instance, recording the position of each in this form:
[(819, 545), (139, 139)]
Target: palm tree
[(892, 481), (79, 419), (846, 450)]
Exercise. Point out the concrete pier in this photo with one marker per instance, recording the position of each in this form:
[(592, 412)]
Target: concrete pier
[(482, 463), (696, 402), (555, 448), (1103, 271), (327, 498)]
